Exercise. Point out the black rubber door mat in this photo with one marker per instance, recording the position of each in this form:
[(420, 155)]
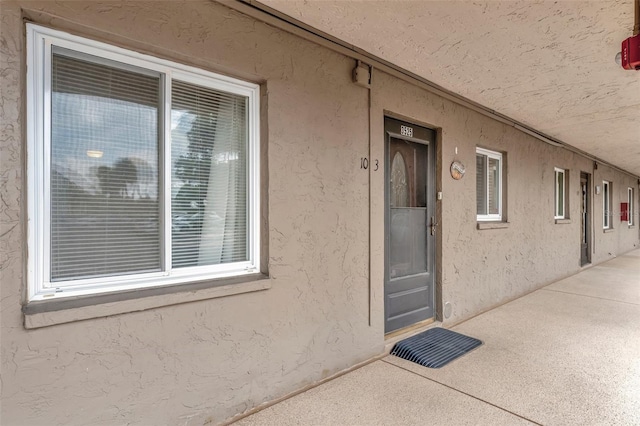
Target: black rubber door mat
[(435, 347)]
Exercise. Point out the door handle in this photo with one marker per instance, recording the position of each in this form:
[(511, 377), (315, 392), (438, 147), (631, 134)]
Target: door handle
[(433, 225)]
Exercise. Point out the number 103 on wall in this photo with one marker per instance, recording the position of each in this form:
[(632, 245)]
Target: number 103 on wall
[(364, 164)]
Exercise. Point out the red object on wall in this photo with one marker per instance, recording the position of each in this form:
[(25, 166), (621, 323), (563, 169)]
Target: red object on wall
[(624, 212), (631, 53)]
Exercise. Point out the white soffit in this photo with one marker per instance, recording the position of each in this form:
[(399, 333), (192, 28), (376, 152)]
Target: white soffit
[(548, 64)]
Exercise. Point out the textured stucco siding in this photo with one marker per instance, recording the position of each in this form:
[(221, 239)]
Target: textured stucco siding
[(484, 268), (209, 360), (545, 63), (205, 360), (622, 237)]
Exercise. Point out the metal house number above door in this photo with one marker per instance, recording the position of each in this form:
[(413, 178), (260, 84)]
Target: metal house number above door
[(406, 131)]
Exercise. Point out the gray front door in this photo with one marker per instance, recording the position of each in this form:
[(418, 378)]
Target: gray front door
[(410, 224)]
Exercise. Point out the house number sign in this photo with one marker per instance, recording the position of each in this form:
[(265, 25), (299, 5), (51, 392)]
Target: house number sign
[(406, 131), (364, 164)]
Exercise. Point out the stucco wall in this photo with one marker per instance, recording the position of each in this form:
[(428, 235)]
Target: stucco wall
[(208, 360), (622, 237), (484, 268)]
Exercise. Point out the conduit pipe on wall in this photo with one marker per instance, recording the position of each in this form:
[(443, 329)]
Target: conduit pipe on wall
[(370, 190), (291, 25), (362, 75)]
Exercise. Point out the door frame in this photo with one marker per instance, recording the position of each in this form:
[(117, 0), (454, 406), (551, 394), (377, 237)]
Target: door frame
[(588, 203), (434, 183)]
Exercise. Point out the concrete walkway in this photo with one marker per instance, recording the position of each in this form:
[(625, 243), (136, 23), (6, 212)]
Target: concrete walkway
[(568, 354)]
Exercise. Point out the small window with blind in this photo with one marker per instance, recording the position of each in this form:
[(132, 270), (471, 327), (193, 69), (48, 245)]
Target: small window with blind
[(560, 194), (631, 212), (142, 172), (606, 205), (488, 185)]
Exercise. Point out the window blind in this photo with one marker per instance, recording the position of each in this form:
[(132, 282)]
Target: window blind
[(104, 209), (493, 176), (209, 176), (481, 184), (560, 193)]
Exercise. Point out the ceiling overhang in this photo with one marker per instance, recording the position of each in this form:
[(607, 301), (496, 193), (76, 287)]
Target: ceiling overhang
[(548, 65)]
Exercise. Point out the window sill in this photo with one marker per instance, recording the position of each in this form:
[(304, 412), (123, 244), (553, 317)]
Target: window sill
[(606, 231), (492, 225), (47, 313), (632, 227), (563, 221)]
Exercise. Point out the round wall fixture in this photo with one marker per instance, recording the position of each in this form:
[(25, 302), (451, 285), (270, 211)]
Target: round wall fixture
[(457, 170)]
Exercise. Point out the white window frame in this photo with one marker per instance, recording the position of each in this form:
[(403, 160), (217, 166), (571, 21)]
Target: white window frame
[(558, 202), (496, 156), (606, 205), (39, 47), (630, 208)]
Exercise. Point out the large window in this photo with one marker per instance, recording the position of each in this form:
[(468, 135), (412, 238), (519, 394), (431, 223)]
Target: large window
[(142, 172), (560, 193), (631, 207), (488, 184), (606, 205)]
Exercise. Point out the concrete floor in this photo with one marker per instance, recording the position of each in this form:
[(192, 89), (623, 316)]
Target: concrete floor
[(567, 354)]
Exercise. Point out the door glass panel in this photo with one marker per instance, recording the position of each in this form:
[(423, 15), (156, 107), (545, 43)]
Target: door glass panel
[(584, 212), (407, 242), (399, 188), (408, 213)]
